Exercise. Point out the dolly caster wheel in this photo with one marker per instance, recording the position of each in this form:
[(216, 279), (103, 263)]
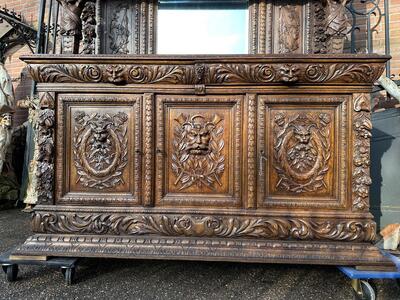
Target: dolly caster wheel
[(11, 272), (363, 290), (69, 274)]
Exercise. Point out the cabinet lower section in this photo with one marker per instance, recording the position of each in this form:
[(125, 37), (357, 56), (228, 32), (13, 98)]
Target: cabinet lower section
[(147, 233), (248, 159)]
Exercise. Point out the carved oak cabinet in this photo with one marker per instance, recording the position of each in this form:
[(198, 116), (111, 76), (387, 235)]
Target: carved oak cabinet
[(261, 158)]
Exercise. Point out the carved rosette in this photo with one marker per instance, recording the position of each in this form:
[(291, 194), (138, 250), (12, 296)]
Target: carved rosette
[(302, 151), (100, 149), (197, 157), (45, 144), (204, 226), (231, 73), (362, 127)]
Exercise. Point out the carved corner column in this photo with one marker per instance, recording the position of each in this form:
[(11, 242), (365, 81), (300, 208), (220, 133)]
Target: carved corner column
[(71, 25), (148, 149), (45, 142), (329, 26), (250, 187), (148, 15), (362, 128), (89, 26)]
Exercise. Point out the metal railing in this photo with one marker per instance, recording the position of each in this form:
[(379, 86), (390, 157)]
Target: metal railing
[(373, 14)]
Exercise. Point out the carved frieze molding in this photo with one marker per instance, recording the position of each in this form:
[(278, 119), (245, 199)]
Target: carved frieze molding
[(45, 141), (362, 128), (203, 226), (225, 73)]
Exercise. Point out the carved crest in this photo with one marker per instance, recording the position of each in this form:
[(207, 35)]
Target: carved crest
[(197, 151), (301, 151), (100, 149)]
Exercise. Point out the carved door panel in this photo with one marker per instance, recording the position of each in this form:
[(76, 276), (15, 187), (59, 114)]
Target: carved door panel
[(303, 151), (120, 27), (198, 148), (98, 149), (289, 30)]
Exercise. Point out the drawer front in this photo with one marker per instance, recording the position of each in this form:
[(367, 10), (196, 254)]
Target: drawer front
[(98, 149), (198, 150), (303, 151)]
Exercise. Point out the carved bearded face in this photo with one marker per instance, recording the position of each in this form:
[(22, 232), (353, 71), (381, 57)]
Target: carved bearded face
[(197, 133)]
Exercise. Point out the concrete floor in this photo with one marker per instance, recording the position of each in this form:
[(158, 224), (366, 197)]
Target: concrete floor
[(139, 279)]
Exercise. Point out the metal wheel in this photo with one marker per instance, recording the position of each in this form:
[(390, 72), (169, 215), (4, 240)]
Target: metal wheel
[(364, 291), (69, 274), (11, 272)]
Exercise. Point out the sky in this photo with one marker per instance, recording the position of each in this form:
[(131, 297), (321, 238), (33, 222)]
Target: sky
[(202, 31)]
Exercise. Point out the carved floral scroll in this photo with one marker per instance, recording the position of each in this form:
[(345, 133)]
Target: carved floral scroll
[(204, 226), (45, 143), (225, 73), (362, 128)]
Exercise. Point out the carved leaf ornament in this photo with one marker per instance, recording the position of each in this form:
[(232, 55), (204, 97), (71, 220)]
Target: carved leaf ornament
[(227, 73), (197, 157), (100, 149), (200, 226), (301, 151)]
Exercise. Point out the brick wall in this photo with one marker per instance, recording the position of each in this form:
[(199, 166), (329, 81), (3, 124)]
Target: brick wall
[(16, 68)]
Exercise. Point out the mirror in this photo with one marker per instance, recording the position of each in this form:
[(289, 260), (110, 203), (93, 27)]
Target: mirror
[(202, 27)]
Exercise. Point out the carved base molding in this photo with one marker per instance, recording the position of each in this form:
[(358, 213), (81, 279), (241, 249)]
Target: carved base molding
[(210, 249)]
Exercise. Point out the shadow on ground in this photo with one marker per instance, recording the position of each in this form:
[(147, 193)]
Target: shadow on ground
[(140, 279)]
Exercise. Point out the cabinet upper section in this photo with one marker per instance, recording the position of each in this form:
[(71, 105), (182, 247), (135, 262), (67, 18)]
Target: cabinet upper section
[(208, 70), (166, 26)]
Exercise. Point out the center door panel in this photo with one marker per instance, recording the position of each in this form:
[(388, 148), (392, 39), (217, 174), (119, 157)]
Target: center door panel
[(198, 151)]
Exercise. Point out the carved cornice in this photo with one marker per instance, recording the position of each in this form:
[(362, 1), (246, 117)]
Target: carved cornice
[(211, 73), (203, 226)]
